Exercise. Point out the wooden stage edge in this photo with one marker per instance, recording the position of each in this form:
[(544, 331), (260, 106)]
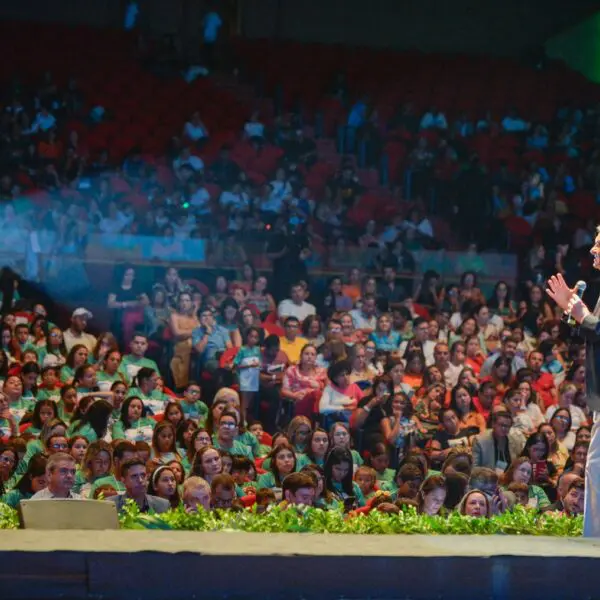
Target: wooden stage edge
[(157, 565)]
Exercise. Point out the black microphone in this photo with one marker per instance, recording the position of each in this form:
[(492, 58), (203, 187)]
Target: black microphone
[(580, 288)]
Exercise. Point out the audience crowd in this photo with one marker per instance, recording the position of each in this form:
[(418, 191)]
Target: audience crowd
[(227, 399), (262, 389)]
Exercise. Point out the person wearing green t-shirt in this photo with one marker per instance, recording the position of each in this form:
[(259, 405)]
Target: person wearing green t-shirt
[(31, 482), (50, 387), (8, 423), (338, 478), (17, 405), (123, 451), (339, 436), (379, 459), (283, 462), (406, 482), (23, 338), (256, 429), (136, 360), (164, 443), (225, 436), (96, 464), (133, 424), (67, 405), (53, 353), (51, 429), (43, 412), (193, 408), (110, 368), (145, 388), (77, 357)]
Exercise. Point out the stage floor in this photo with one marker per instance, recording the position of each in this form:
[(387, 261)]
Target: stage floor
[(156, 565)]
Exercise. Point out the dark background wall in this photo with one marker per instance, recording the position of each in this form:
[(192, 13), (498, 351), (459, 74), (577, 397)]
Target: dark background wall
[(481, 26), (504, 27)]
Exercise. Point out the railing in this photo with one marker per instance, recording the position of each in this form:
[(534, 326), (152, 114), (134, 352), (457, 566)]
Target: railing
[(69, 268)]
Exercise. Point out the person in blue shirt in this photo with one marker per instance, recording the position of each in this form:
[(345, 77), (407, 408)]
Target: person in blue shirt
[(210, 339), (384, 336)]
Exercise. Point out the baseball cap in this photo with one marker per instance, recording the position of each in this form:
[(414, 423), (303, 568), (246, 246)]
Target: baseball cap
[(82, 312)]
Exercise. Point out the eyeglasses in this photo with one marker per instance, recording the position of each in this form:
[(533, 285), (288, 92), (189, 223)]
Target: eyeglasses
[(9, 460), (59, 446), (194, 392), (228, 425), (561, 418)]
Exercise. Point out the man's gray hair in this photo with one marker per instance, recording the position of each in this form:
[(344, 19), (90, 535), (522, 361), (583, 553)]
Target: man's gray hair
[(56, 458)]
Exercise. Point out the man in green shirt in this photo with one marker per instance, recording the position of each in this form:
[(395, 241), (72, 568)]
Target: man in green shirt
[(132, 363)]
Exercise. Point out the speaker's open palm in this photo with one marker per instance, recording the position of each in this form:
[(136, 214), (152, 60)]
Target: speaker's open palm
[(559, 291)]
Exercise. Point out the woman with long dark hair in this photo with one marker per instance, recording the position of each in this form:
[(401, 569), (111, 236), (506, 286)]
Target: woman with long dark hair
[(93, 425), (339, 468)]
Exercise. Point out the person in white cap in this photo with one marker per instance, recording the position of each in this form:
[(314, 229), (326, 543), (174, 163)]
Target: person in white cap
[(76, 333)]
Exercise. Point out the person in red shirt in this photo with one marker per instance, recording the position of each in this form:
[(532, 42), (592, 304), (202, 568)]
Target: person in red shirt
[(542, 383)]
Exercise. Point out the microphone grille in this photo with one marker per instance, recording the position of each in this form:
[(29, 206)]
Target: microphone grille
[(581, 285)]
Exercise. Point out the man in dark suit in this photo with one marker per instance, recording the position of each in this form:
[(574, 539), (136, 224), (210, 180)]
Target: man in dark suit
[(133, 475), (589, 328)]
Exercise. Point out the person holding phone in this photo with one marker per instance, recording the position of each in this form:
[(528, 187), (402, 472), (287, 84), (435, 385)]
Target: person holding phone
[(370, 411), (338, 479), (544, 473)]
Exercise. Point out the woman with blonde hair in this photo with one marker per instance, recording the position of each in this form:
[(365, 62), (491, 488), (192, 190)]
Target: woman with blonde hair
[(299, 432), (97, 463)]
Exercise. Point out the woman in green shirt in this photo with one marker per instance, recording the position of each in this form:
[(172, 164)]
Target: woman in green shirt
[(109, 368), (520, 471), (67, 405), (299, 432), (78, 446), (105, 344), (184, 432), (94, 424), (338, 478), (53, 353), (54, 427), (30, 373), (8, 423), (43, 411), (133, 424), (96, 464), (283, 462), (318, 447), (17, 405), (31, 482), (199, 439), (174, 414), (78, 356), (379, 459), (144, 387), (324, 499), (164, 446)]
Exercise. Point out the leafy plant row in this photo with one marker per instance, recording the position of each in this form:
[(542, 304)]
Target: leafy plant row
[(312, 520)]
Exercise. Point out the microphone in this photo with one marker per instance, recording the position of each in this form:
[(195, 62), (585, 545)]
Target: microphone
[(580, 288)]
